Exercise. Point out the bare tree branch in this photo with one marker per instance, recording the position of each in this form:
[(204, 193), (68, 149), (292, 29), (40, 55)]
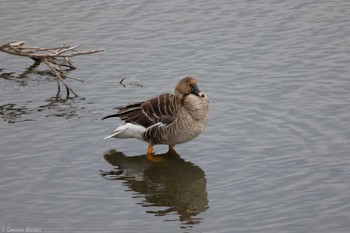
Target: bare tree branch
[(54, 58)]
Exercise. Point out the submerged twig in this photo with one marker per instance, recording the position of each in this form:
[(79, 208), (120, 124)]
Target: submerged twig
[(136, 84), (133, 84), (121, 82), (54, 58)]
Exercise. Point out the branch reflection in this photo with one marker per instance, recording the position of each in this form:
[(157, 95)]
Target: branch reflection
[(172, 186), (67, 108), (24, 108)]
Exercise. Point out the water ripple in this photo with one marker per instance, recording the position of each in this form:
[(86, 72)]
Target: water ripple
[(274, 153)]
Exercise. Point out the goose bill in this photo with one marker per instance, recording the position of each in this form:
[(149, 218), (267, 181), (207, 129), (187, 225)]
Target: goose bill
[(196, 91)]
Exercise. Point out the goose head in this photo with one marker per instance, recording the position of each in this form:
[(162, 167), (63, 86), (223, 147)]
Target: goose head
[(186, 86)]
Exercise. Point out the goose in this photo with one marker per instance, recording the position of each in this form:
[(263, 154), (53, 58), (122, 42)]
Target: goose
[(167, 119)]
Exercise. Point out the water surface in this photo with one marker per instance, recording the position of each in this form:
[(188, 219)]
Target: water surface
[(274, 156)]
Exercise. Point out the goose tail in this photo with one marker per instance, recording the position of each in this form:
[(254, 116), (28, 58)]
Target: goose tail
[(128, 130)]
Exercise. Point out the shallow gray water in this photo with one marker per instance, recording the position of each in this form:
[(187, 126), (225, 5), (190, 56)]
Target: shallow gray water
[(274, 156)]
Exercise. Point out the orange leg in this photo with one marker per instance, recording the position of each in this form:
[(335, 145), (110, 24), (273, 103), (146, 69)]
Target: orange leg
[(152, 158), (171, 148), (172, 151), (149, 149)]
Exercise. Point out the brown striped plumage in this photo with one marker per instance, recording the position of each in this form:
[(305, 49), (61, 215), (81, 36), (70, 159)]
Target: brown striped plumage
[(161, 109), (166, 119)]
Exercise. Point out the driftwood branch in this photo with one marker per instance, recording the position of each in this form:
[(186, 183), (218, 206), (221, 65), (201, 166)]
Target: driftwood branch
[(55, 58)]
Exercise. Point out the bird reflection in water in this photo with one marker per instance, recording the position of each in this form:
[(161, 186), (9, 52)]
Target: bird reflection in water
[(171, 186)]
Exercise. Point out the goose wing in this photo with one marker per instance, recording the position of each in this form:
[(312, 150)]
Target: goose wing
[(162, 108)]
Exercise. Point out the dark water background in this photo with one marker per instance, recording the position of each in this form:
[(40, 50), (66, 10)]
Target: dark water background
[(274, 156)]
